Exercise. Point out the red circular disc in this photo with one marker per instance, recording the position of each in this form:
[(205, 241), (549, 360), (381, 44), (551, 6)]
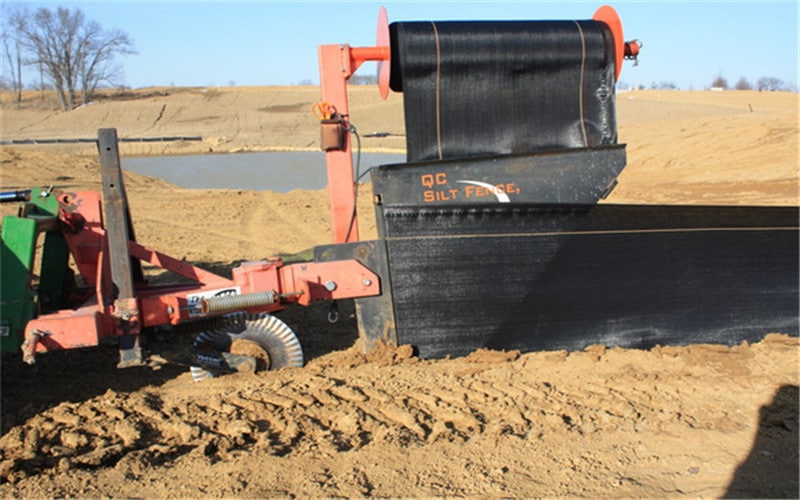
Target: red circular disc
[(385, 65), (607, 14)]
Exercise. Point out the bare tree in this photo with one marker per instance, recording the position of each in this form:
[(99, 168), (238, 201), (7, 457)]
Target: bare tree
[(719, 82), (769, 84), (663, 85), (11, 33), (74, 54), (96, 57), (364, 79), (743, 84), (49, 38)]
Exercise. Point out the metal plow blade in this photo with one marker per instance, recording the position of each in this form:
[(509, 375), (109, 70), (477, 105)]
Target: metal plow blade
[(274, 337)]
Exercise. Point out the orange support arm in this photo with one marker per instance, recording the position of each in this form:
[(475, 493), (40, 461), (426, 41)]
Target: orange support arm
[(337, 63), (335, 68)]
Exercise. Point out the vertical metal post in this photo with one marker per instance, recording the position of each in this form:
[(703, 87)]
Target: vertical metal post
[(116, 220), (334, 70)]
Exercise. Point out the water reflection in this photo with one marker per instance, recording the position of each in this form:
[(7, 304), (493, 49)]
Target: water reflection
[(274, 171)]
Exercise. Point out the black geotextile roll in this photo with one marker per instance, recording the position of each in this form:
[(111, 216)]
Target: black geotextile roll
[(503, 87)]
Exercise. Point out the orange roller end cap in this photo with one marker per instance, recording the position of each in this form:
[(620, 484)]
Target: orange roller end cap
[(606, 14), (385, 65)]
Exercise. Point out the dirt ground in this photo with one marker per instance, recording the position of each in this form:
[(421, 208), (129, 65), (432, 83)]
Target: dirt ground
[(694, 421)]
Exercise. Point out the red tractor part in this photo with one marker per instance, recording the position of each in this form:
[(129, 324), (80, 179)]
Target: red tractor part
[(119, 302)]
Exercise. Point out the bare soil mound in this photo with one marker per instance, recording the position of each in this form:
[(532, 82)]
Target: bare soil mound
[(666, 422)]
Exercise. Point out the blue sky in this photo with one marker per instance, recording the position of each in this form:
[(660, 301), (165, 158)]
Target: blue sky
[(275, 43)]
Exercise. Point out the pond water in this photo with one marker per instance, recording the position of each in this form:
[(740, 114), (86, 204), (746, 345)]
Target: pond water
[(273, 171)]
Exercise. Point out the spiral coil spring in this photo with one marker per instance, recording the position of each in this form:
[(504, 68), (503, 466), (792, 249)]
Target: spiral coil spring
[(237, 302)]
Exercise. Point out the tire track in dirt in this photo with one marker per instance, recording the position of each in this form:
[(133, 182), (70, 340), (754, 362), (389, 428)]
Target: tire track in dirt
[(37, 123), (295, 225), (341, 402), (160, 114)]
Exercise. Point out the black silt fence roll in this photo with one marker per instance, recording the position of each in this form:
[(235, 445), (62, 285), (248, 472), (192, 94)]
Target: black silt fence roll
[(503, 87)]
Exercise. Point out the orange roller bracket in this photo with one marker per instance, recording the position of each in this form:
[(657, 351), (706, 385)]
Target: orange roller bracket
[(606, 14)]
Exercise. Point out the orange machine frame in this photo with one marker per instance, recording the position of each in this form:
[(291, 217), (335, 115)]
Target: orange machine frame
[(93, 237)]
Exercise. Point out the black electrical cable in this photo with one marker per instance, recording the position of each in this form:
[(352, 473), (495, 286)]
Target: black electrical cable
[(357, 176)]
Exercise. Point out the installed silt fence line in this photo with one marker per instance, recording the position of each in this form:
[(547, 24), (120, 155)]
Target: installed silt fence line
[(22, 142)]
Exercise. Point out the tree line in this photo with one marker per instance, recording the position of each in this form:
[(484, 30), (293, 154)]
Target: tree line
[(763, 84), (75, 55)]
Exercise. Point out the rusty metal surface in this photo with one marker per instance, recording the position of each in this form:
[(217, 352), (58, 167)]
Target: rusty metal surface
[(124, 270)]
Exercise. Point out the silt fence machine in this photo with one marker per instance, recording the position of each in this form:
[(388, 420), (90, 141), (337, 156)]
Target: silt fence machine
[(490, 235)]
